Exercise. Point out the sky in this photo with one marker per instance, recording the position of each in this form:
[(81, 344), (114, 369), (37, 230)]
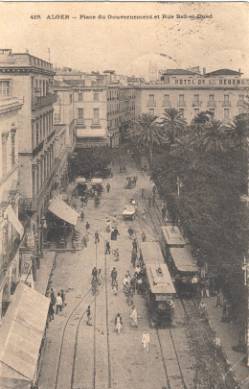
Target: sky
[(220, 39)]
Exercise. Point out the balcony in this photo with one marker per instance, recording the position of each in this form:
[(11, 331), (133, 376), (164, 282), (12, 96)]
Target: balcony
[(80, 122), (95, 124), (196, 104), (181, 104), (39, 102), (211, 104), (226, 104)]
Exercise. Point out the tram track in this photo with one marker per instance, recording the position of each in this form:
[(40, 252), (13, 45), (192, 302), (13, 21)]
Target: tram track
[(171, 336)]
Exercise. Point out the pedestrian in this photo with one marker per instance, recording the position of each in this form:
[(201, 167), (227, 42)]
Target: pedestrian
[(52, 297), (82, 215), (133, 316), (134, 244), (114, 233), (118, 323), (207, 291), (133, 257), (114, 275), (58, 303), (96, 237), (142, 193), (143, 236), (146, 341), (116, 255), (218, 299), (203, 310), (88, 316), (107, 247), (130, 232), (115, 288), (108, 187), (84, 241), (99, 277), (51, 311), (87, 226), (63, 297), (95, 273)]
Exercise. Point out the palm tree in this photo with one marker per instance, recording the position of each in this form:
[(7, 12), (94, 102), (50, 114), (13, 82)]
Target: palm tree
[(172, 124), (147, 134)]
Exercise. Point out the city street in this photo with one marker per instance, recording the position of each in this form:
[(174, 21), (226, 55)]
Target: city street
[(78, 356)]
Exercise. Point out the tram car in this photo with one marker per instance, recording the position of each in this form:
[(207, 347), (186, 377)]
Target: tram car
[(185, 270), (160, 290), (171, 237), (129, 212)]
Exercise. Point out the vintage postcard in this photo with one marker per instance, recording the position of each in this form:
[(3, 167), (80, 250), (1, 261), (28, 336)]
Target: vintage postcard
[(124, 223)]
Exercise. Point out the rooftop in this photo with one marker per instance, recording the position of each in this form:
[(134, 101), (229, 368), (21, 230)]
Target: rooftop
[(179, 72), (13, 60), (223, 72)]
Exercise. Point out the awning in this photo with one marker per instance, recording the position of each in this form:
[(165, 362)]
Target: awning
[(80, 180), (13, 219), (62, 210), (21, 334), (95, 181)]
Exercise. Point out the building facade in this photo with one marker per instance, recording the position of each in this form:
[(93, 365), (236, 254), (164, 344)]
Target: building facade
[(31, 78), (11, 230), (221, 92)]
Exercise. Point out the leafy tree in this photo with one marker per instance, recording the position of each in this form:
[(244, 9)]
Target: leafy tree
[(147, 135), (172, 124)]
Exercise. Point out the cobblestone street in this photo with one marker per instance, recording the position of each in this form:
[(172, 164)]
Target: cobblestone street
[(79, 356)]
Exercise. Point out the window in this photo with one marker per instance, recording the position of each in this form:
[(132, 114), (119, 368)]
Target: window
[(80, 113), (211, 97), (151, 101), (80, 96), (37, 132), (226, 100), (196, 111), (96, 115), (241, 98), (226, 113), (13, 147), (151, 111), (4, 88), (70, 99), (181, 100), (212, 110), (96, 96), (196, 100), (166, 101)]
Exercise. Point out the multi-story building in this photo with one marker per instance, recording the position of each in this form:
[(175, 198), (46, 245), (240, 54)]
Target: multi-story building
[(11, 230), (222, 92), (96, 101), (31, 78)]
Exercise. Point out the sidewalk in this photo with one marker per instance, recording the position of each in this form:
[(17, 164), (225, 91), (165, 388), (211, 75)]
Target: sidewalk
[(229, 336), (44, 272)]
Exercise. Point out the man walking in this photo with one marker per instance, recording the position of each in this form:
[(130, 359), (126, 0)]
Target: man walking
[(108, 187), (133, 316), (114, 276), (58, 303), (107, 248), (87, 226), (146, 341), (88, 316), (96, 237)]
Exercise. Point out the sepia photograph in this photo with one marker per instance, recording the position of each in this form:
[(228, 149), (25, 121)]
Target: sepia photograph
[(124, 195)]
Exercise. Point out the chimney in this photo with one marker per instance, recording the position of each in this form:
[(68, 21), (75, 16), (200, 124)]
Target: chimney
[(204, 70)]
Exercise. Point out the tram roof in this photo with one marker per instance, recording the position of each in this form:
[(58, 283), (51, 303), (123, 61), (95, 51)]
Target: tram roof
[(172, 235), (159, 279), (151, 253), (183, 259)]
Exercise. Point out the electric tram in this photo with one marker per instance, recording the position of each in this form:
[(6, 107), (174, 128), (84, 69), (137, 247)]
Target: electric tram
[(160, 290)]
